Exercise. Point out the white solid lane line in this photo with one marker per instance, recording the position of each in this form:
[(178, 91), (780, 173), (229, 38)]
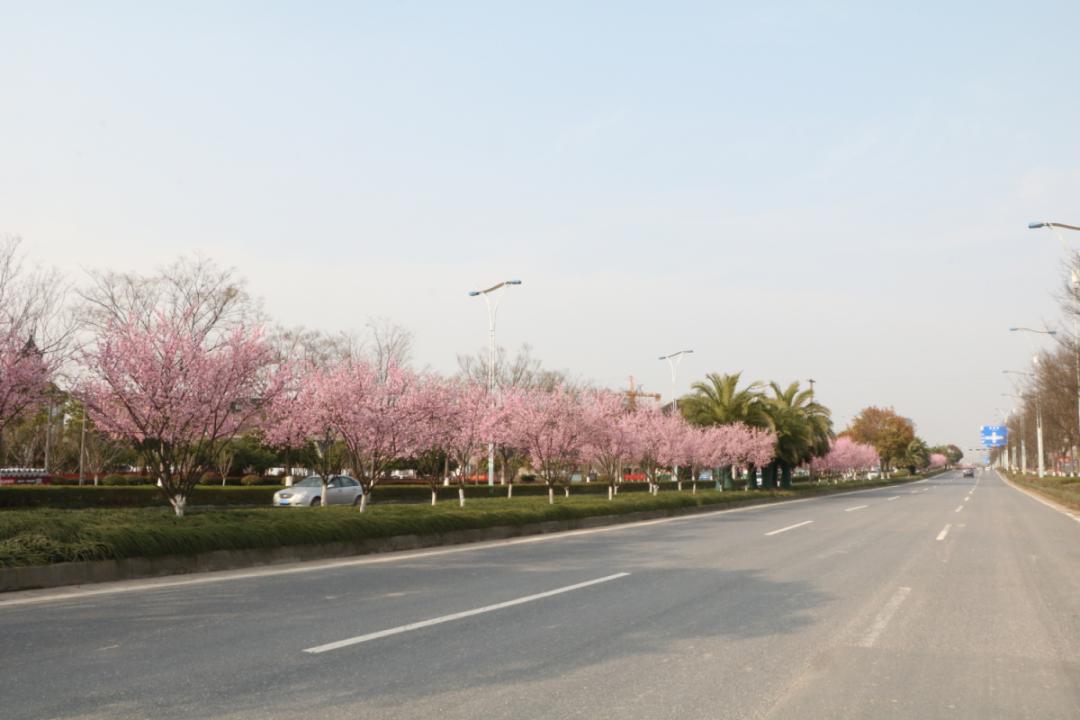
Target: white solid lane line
[(458, 616), (943, 533), (789, 527), (857, 507), (884, 617)]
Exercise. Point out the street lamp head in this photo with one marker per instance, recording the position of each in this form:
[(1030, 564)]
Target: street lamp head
[(1037, 225), (513, 282), (474, 293)]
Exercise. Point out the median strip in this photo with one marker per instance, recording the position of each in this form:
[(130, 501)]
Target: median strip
[(458, 616), (789, 527)]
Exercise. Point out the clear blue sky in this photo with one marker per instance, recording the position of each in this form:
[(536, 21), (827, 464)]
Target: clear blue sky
[(795, 190)]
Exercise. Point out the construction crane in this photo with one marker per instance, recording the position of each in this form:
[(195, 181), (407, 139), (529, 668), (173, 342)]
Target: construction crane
[(635, 392)]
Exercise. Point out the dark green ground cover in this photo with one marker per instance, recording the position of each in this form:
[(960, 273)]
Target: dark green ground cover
[(48, 535)]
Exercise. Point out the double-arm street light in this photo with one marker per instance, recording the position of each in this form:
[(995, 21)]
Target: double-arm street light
[(1038, 423), (493, 311), (673, 361)]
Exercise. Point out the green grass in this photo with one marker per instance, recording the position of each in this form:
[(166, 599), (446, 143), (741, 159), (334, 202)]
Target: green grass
[(1065, 490), (49, 535)]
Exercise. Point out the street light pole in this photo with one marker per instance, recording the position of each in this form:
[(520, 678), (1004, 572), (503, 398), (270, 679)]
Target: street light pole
[(493, 311), (673, 361), (1023, 433), (1075, 282)]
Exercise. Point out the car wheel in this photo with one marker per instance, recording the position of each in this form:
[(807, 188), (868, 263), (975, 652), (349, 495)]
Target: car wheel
[(316, 502)]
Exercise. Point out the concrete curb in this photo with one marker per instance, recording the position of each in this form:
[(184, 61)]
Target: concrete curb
[(102, 571)]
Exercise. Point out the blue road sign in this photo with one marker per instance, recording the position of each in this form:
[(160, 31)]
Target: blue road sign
[(994, 436)]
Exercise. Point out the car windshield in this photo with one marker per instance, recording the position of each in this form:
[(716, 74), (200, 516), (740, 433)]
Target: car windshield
[(310, 481)]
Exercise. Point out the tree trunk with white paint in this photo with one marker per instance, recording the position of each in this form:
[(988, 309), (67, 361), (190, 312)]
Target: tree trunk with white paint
[(363, 499), (179, 504), (566, 490), (461, 496), (551, 494), (610, 492), (434, 496), (510, 489)]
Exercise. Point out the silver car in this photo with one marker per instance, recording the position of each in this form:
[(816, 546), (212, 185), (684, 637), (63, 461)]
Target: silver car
[(341, 490)]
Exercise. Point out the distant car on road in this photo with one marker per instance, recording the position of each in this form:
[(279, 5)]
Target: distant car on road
[(969, 472), (341, 490)]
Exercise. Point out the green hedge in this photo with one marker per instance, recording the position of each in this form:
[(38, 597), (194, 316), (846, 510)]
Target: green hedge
[(87, 496), (132, 496), (41, 536)]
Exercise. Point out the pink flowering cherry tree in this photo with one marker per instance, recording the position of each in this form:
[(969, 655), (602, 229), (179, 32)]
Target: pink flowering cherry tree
[(24, 373), (380, 415), (178, 388), (301, 416), (470, 422), (609, 436), (846, 458), (550, 427)]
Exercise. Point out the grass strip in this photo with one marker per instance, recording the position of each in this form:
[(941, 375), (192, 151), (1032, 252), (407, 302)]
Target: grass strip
[(49, 535), (1064, 490)]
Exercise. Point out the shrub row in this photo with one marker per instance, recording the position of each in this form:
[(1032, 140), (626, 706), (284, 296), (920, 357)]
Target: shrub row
[(41, 536), (134, 496)]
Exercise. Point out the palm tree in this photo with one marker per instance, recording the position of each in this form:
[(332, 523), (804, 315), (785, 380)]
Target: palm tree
[(917, 455), (803, 429), (717, 400)]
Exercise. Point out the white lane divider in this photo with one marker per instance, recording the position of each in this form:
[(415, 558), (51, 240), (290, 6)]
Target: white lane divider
[(941, 535), (883, 617), (458, 616), (789, 527), (857, 507), (894, 497), (959, 508)]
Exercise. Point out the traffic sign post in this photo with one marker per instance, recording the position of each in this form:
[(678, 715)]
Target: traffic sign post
[(994, 436)]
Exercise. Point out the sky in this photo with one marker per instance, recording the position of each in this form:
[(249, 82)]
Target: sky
[(794, 190)]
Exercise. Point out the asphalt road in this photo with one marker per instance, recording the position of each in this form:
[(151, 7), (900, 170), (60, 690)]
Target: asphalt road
[(949, 598)]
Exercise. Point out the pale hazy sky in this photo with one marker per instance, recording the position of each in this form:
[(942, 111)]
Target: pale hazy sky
[(795, 190)]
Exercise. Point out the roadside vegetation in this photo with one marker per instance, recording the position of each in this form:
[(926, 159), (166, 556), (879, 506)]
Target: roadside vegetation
[(172, 382), (49, 535), (1064, 490)]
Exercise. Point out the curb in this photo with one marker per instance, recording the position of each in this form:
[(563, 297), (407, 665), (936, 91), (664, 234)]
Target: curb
[(35, 577)]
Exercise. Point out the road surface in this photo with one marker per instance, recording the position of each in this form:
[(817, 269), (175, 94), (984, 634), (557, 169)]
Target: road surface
[(948, 598)]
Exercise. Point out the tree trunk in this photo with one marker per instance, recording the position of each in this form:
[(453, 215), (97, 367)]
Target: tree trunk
[(785, 476), (324, 498), (566, 490), (179, 504), (551, 494), (434, 496), (461, 496), (95, 479), (610, 492), (727, 477), (510, 489), (363, 499), (751, 477)]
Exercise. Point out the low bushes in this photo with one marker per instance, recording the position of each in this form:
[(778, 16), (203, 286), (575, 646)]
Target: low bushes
[(134, 496), (40, 536)]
